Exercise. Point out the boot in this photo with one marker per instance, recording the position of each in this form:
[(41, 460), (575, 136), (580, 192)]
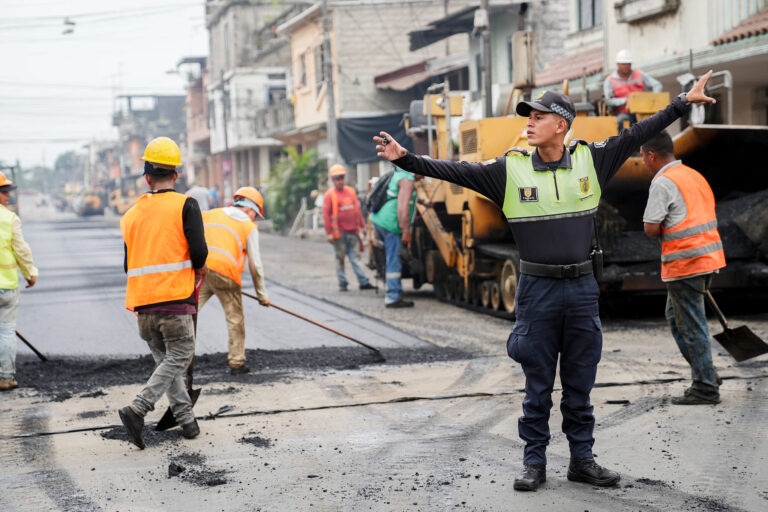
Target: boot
[(589, 471), (8, 384), (237, 370), (532, 477), (190, 430), (133, 424)]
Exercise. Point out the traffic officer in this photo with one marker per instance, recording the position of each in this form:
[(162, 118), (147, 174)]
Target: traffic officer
[(164, 249), (232, 237), (681, 212), (550, 197)]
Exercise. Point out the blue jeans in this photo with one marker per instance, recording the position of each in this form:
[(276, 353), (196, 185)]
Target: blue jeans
[(557, 317), (394, 269), (688, 321), (348, 245), (9, 307)]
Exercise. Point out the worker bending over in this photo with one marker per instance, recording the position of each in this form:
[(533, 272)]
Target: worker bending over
[(232, 238)]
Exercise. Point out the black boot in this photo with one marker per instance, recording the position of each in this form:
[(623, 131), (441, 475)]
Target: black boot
[(532, 477), (589, 471), (190, 430), (133, 424)]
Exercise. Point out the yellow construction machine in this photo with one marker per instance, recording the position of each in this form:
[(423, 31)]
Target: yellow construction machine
[(462, 244)]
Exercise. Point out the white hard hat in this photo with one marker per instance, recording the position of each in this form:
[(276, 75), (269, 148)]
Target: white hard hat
[(623, 57)]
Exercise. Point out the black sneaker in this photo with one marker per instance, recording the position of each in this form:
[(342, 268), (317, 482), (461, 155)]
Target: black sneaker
[(694, 399), (532, 477), (367, 286), (190, 430), (133, 424), (400, 304), (342, 288), (589, 471), (237, 370)]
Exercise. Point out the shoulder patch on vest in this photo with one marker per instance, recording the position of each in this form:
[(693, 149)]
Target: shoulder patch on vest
[(575, 144), (516, 149)]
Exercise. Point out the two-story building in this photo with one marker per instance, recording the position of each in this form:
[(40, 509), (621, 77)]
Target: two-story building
[(197, 145)]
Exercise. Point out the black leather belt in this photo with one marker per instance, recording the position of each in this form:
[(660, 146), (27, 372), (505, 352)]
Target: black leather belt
[(556, 271)]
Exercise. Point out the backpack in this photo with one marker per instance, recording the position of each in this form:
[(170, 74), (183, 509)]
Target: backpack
[(378, 195)]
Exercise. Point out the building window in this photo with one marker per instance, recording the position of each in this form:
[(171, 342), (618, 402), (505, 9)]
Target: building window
[(319, 61), (510, 57), (301, 72), (590, 13), (275, 95)]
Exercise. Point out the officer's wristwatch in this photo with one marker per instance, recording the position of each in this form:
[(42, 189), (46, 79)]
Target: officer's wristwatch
[(684, 98)]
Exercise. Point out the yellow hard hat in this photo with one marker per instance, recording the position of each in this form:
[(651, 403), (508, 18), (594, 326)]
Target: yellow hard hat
[(162, 151), (5, 183), (253, 198), (337, 170)]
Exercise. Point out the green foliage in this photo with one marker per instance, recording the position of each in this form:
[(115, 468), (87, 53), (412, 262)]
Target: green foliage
[(291, 179)]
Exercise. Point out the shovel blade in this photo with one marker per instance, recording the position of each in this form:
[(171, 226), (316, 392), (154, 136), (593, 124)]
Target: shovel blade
[(168, 420), (742, 343)]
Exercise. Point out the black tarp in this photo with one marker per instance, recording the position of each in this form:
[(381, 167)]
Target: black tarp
[(356, 144)]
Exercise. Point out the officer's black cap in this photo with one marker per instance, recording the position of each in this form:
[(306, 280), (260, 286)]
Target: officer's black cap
[(551, 101)]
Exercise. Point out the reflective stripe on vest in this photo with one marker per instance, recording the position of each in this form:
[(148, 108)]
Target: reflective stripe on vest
[(693, 246), (533, 195), (227, 240), (9, 274), (335, 210), (157, 251), (623, 88)]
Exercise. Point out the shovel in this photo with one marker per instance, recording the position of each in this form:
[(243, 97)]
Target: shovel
[(740, 342)]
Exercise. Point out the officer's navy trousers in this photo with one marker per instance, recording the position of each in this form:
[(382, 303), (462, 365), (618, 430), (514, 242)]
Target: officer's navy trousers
[(557, 317)]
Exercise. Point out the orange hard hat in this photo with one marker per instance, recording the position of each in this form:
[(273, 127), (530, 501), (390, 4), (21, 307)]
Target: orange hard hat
[(337, 170), (5, 183), (250, 198)]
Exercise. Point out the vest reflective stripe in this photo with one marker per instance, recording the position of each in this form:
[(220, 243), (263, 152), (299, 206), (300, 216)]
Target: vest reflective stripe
[(227, 240), (335, 210), (9, 274), (622, 89), (154, 269), (532, 196), (159, 265), (694, 245)]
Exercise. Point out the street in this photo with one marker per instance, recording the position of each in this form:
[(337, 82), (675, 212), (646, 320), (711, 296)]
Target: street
[(320, 424)]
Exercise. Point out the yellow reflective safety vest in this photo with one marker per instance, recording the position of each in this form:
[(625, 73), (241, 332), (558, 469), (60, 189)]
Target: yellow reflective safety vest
[(227, 240), (545, 195), (9, 273), (159, 264)]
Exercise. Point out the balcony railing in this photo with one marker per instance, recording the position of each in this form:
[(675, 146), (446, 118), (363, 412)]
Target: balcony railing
[(274, 119)]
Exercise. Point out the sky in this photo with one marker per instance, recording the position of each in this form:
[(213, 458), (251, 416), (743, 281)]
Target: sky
[(57, 90)]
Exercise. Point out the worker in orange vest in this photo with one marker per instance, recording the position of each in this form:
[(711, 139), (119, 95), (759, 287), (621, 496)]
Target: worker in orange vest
[(232, 238), (681, 212), (620, 84), (164, 250), (344, 225)]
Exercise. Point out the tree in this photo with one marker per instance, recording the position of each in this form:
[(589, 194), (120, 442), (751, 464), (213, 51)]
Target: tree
[(293, 178)]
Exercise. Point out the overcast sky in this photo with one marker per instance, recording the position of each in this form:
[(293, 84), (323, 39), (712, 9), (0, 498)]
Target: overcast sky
[(57, 90)]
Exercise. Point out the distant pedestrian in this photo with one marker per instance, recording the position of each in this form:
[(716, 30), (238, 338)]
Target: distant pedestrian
[(681, 213), (549, 197), (14, 254), (164, 249), (201, 195), (392, 222), (344, 227), (232, 238), (619, 86)]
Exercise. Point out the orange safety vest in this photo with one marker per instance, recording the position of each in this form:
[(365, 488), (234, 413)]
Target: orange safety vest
[(159, 265), (227, 240), (623, 88), (335, 210), (693, 246)]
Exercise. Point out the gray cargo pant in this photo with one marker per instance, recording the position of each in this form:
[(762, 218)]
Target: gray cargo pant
[(171, 339)]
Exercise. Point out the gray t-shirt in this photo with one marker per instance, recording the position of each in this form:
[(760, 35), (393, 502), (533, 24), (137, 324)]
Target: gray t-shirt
[(665, 202)]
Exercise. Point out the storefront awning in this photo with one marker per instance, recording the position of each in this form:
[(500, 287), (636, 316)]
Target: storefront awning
[(571, 65), (409, 76)]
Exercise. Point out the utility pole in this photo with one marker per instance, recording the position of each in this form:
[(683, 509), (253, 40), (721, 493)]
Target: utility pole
[(226, 164), (482, 22), (330, 98)]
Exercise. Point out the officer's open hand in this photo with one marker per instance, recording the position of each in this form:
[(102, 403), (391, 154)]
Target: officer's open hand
[(388, 147), (696, 95)]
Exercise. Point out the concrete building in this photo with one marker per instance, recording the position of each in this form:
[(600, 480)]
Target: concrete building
[(365, 42), (197, 143), (246, 74), (668, 39)]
